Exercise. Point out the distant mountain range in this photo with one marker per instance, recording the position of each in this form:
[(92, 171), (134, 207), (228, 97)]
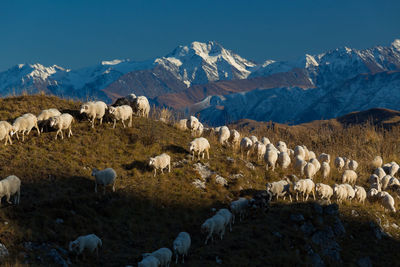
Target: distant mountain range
[(222, 87)]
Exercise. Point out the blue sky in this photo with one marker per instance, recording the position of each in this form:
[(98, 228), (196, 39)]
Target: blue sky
[(81, 33)]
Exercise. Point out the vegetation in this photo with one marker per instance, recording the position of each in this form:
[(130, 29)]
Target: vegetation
[(146, 213)]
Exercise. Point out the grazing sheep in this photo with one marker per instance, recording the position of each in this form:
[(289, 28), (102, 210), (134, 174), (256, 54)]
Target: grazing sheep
[(62, 122), (309, 170), (223, 135), (104, 177), (181, 125), (340, 192), (349, 176), (181, 245), (10, 186), (253, 139), (284, 160), (201, 146), (164, 256), (350, 191), (213, 225), (393, 181), (299, 151), (380, 172), (234, 139), (94, 110), (305, 187), (45, 115), (387, 201), (393, 168), (299, 164), (324, 191), (375, 182), (149, 261), (316, 164), (192, 124), (260, 150), (339, 163), (270, 157), (279, 189), (377, 162), (245, 146), (265, 141), (311, 155), (122, 113), (239, 207), (281, 146), (353, 165), (160, 162), (227, 216), (323, 157), (325, 169), (23, 124), (141, 106), (361, 194), (385, 181), (5, 131), (90, 242)]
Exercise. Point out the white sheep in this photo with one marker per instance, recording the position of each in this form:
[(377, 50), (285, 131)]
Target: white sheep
[(260, 150), (340, 192), (393, 168), (306, 153), (10, 186), (90, 242), (265, 141), (149, 261), (181, 125), (122, 113), (393, 181), (309, 170), (223, 135), (141, 106), (253, 139), (379, 172), (234, 139), (299, 164), (353, 165), (5, 131), (377, 162), (279, 189), (372, 194), (239, 207), (181, 245), (23, 124), (160, 162), (284, 160), (45, 115), (270, 157), (324, 191), (192, 124), (325, 169), (316, 164), (200, 146), (281, 146), (227, 216), (213, 225), (62, 122), (94, 110), (245, 146), (339, 163), (323, 157), (311, 155), (305, 187), (349, 176), (350, 191), (104, 177), (299, 151), (387, 201), (385, 181), (164, 256), (361, 194)]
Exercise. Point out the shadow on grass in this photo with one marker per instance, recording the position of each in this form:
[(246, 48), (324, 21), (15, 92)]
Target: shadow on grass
[(175, 149), (137, 164)]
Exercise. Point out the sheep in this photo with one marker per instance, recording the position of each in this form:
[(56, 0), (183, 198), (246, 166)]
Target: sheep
[(192, 124), (299, 151), (372, 195), (393, 181), (339, 163), (141, 106), (245, 146), (213, 225), (375, 182), (360, 193), (181, 125), (5, 130), (306, 153), (265, 141), (62, 122), (160, 162), (282, 147), (346, 163), (325, 169), (122, 113), (227, 216), (45, 115), (324, 191), (270, 157), (350, 191), (181, 245), (199, 131), (339, 192), (377, 162), (260, 150), (23, 124), (323, 157), (234, 139), (253, 139), (104, 177), (164, 256), (349, 176), (309, 170), (90, 242), (201, 146), (393, 168), (385, 181), (387, 201), (271, 146), (284, 160), (239, 207), (353, 165), (304, 187), (316, 164), (279, 189), (94, 110), (149, 261), (223, 135), (299, 164), (311, 155), (10, 186), (379, 172)]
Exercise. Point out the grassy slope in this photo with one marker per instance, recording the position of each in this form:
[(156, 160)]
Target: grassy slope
[(146, 212)]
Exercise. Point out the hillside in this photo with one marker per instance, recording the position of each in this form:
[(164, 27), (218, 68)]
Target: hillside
[(145, 213)]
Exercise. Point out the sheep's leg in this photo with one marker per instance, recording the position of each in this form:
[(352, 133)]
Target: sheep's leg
[(104, 189), (208, 154), (162, 172), (23, 136), (101, 121), (62, 136), (313, 194), (9, 139), (123, 123), (130, 121), (155, 172), (169, 167), (16, 134), (37, 128), (176, 258), (115, 122), (8, 199), (290, 197), (93, 122), (56, 134), (69, 132), (114, 186), (95, 187)]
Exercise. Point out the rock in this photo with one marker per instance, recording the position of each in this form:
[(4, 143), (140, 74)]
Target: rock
[(6, 223), (203, 170), (199, 184), (250, 166), (338, 227), (395, 226), (3, 251), (364, 262), (53, 253), (236, 176), (221, 180), (325, 239), (297, 217), (332, 209), (307, 228)]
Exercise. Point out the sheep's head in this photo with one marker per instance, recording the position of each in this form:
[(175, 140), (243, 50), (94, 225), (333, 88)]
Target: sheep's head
[(73, 246), (94, 171), (112, 109), (84, 108), (152, 161), (177, 244), (296, 186), (205, 227), (268, 186), (191, 147), (54, 121)]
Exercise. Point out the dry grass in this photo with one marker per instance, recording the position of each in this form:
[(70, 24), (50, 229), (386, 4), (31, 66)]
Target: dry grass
[(146, 212)]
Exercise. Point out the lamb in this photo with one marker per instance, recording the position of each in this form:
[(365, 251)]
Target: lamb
[(62, 122), (5, 130), (379, 172), (360, 193), (324, 191), (122, 113), (270, 157), (239, 207), (284, 160), (181, 125), (279, 189), (181, 246), (90, 242), (282, 147), (141, 106), (160, 162), (227, 216), (309, 170), (213, 225), (387, 201), (223, 135), (164, 256), (245, 146), (45, 115), (316, 164), (265, 141), (350, 191), (377, 162), (353, 165), (104, 177), (304, 187), (201, 146), (149, 261), (299, 151), (339, 163), (325, 169), (94, 110), (349, 176), (23, 124), (234, 139), (323, 157), (260, 150), (339, 192), (10, 186)]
